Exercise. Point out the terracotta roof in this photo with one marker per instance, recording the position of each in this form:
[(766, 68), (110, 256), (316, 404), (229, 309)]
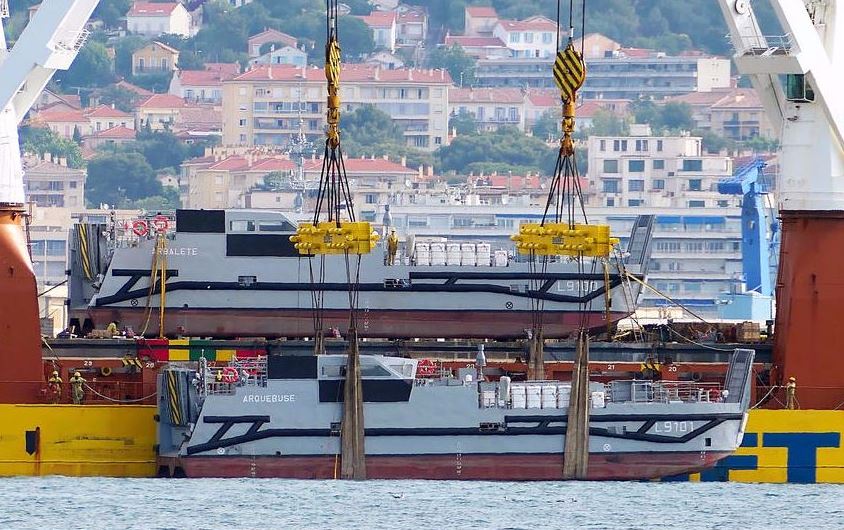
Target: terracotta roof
[(722, 98), (151, 9), (537, 23), (201, 78), (481, 11), (223, 68), (61, 116), (542, 98), (740, 98), (133, 88), (116, 133), (273, 164), (636, 53), (486, 95), (379, 19), (230, 163), (411, 16), (270, 35), (105, 111), (351, 72), (163, 101), (201, 116), (364, 165), (485, 42), (161, 45)]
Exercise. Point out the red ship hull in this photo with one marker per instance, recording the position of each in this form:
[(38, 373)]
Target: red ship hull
[(618, 466), (393, 324)]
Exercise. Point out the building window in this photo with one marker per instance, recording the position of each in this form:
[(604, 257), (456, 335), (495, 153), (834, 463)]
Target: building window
[(547, 37), (603, 145), (242, 122), (514, 114), (610, 185), (528, 37), (659, 145), (659, 164), (659, 184), (72, 184), (694, 184), (515, 37), (610, 166), (610, 202), (636, 185), (634, 202), (697, 204), (243, 138), (723, 204), (692, 165), (636, 166), (641, 145), (438, 140)]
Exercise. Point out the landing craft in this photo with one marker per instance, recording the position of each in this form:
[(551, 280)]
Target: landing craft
[(235, 273)]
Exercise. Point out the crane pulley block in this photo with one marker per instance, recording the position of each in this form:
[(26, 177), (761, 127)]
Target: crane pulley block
[(563, 239), (334, 238)]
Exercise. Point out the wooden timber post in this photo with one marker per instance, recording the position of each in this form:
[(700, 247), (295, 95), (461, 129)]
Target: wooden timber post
[(576, 457), (536, 366), (353, 452)]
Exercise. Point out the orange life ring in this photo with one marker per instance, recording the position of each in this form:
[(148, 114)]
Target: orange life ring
[(139, 227), (160, 224), (426, 368), (230, 375)]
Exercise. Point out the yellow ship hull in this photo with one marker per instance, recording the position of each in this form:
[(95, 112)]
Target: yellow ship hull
[(78, 440), (802, 446)]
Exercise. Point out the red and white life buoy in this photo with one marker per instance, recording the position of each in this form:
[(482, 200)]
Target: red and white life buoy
[(160, 224), (230, 375), (139, 228), (425, 368)]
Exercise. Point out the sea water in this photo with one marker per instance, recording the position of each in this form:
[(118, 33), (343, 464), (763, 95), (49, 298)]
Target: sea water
[(95, 503)]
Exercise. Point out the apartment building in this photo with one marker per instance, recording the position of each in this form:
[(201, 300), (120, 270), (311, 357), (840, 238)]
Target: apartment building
[(86, 122), (652, 74), (203, 86), (257, 44), (647, 171), (264, 105), (491, 107), (411, 26), (237, 180), (734, 113), (479, 21), (49, 182)]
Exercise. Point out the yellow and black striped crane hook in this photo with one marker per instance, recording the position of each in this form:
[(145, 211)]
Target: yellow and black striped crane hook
[(569, 74)]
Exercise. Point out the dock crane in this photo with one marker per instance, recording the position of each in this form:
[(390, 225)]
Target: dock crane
[(50, 42), (759, 243), (810, 61)]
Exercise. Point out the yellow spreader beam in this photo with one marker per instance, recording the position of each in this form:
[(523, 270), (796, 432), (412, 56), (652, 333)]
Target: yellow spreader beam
[(562, 239), (328, 238)]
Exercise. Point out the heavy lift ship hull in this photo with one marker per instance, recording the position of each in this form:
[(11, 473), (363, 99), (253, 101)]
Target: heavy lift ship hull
[(524, 467), (392, 324)]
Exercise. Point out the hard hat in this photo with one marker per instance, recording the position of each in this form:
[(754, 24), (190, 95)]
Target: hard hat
[(792, 379), (76, 374), (55, 372)]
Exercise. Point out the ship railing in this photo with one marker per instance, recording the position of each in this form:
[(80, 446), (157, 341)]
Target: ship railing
[(105, 393), (642, 391), (250, 371)]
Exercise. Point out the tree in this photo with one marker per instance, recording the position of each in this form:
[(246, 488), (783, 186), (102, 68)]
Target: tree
[(111, 11), (368, 126), (463, 123), (677, 116), (123, 50), (547, 126), (160, 148), (118, 178), (168, 199), (607, 123), (357, 39), (122, 98), (712, 142), (460, 66), (41, 141), (507, 147), (92, 67), (77, 134)]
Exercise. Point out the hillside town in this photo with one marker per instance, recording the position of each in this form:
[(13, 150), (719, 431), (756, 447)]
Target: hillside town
[(449, 132)]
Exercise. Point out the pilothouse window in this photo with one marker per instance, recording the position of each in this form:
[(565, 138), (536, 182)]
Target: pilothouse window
[(241, 225), (275, 226)]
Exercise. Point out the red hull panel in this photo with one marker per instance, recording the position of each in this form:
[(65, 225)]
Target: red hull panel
[(395, 324), (619, 466), (809, 297)]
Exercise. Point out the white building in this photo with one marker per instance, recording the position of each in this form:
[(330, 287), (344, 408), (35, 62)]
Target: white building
[(282, 55), (534, 37), (384, 28), (154, 19), (663, 171)]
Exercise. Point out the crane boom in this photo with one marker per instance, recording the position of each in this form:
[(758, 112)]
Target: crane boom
[(50, 42)]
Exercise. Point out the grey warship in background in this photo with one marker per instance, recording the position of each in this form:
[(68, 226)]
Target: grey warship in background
[(235, 273), (280, 417)]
